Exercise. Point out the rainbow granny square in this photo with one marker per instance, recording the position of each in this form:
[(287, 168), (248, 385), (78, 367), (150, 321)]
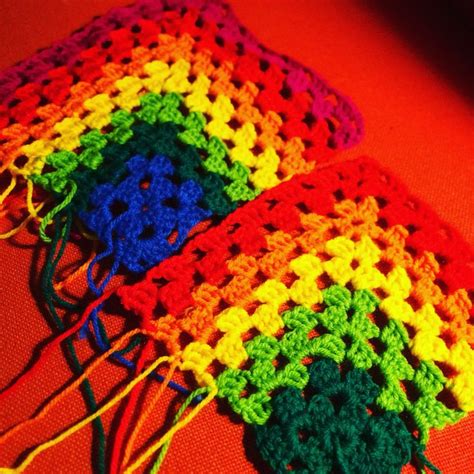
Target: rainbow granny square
[(176, 86), (332, 314)]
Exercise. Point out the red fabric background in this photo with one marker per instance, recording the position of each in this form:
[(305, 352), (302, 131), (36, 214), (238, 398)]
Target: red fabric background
[(405, 67)]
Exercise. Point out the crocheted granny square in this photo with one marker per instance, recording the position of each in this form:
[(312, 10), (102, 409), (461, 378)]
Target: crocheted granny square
[(157, 116), (332, 314)]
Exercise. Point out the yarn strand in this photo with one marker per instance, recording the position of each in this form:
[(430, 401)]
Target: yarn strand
[(150, 406), (56, 210), (53, 345), (167, 437), (50, 295), (8, 189), (76, 273), (126, 414), (33, 211), (53, 402), (161, 457), (424, 461), (85, 421)]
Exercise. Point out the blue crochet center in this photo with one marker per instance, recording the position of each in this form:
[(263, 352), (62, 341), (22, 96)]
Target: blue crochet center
[(147, 216), (142, 220)]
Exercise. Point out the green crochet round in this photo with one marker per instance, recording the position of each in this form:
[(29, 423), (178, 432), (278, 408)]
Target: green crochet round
[(160, 126), (346, 334), (329, 429)]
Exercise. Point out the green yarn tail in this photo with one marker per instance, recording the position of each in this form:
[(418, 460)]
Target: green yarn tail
[(56, 211), (161, 457), (52, 298), (424, 461)]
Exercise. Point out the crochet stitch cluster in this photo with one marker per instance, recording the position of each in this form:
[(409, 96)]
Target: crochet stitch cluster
[(330, 430)]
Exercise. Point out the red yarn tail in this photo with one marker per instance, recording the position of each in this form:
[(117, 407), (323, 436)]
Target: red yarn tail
[(128, 411)]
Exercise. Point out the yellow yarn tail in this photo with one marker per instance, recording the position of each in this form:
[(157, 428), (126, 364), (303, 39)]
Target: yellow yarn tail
[(84, 422), (147, 412), (33, 211)]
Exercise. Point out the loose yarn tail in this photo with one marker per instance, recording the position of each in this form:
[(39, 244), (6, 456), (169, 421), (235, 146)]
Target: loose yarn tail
[(125, 415), (51, 298), (424, 461), (171, 432), (85, 421), (98, 332), (164, 450), (49, 217), (57, 399), (145, 414), (32, 210), (52, 346)]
